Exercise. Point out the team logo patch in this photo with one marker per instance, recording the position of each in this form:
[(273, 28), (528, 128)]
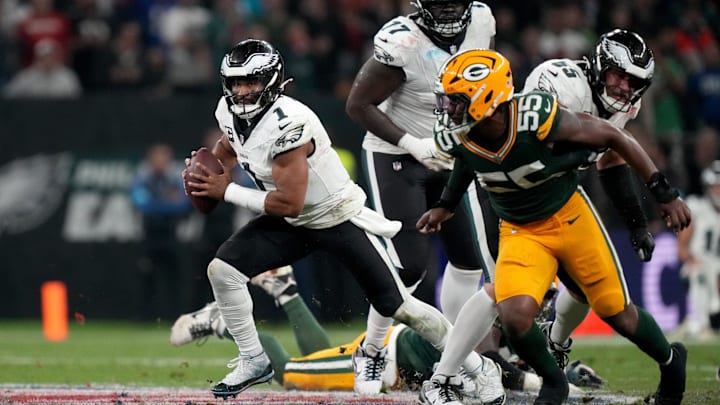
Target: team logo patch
[(382, 55), (397, 165), (290, 137), (476, 72)]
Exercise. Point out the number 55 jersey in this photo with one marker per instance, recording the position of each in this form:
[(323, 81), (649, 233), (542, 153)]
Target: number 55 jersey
[(525, 180)]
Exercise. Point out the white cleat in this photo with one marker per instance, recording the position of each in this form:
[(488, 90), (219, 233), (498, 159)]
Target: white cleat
[(442, 389), (488, 380), (277, 282), (197, 325), (368, 370), (247, 372)]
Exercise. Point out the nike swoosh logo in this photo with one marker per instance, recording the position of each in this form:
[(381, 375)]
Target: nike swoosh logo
[(555, 74), (383, 40), (283, 126), (572, 221)]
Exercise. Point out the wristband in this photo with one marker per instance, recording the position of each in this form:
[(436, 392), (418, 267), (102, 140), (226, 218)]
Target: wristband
[(660, 188), (246, 197)]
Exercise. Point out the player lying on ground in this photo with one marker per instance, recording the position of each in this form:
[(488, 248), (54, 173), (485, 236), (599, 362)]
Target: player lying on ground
[(410, 359)]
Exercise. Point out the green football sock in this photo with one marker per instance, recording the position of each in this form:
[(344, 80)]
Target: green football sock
[(310, 336), (650, 338), (278, 356), (532, 347)]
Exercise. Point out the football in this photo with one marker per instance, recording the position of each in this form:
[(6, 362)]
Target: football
[(204, 156)]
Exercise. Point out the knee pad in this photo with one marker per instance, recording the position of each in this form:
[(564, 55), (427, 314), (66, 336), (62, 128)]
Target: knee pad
[(424, 319), (220, 272)]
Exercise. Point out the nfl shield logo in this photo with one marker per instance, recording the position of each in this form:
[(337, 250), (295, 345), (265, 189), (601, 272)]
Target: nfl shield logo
[(397, 165)]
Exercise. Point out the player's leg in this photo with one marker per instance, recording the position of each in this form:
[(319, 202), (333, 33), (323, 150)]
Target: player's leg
[(593, 263), (397, 191), (571, 308), (365, 256), (250, 251), (470, 243)]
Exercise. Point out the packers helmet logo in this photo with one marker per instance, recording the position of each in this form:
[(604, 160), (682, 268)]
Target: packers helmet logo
[(476, 72)]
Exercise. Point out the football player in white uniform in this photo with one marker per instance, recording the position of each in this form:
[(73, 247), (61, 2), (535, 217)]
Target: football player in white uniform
[(699, 251), (307, 202), (392, 97), (609, 84)]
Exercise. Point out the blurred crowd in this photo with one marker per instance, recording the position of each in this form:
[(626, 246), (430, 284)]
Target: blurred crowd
[(67, 48)]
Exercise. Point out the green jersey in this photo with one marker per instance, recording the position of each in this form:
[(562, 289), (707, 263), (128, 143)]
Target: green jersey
[(525, 180)]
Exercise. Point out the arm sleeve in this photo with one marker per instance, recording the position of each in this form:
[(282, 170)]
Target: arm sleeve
[(618, 183)]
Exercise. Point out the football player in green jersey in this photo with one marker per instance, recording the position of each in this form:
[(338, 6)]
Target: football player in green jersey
[(508, 142)]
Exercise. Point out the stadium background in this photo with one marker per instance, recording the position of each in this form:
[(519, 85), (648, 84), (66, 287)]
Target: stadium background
[(148, 73)]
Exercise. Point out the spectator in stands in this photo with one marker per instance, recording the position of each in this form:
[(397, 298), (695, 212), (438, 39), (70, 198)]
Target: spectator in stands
[(158, 195), (42, 22), (47, 77)]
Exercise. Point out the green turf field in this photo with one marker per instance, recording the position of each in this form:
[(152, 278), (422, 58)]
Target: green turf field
[(139, 354)]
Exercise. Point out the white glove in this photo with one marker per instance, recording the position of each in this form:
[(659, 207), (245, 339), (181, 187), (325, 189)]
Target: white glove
[(426, 152)]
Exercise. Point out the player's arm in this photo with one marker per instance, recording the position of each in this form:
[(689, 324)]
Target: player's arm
[(589, 130), (290, 175), (374, 83), (453, 192)]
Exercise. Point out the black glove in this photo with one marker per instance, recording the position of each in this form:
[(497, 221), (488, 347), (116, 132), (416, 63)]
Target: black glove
[(643, 243)]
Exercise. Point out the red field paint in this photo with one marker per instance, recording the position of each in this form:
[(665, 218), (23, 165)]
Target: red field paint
[(120, 395)]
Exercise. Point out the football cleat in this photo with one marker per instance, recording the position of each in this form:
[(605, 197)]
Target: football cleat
[(197, 325), (442, 389), (247, 372), (368, 370), (277, 282), (558, 350), (672, 378), (488, 383), (551, 394)]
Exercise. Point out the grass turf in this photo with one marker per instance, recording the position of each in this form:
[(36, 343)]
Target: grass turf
[(139, 354)]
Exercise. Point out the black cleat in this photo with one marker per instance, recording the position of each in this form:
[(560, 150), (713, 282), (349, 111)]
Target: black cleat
[(222, 390), (553, 394), (672, 378)]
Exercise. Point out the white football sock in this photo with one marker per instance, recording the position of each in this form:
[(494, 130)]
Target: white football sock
[(233, 298), (473, 323), (377, 328), (457, 287), (569, 314)]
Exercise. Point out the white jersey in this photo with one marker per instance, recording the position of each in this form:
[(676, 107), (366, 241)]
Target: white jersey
[(705, 240), (401, 43), (567, 80), (332, 197)]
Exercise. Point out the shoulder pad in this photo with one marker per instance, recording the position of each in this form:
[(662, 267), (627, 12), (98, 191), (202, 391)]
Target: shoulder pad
[(288, 125), (536, 112), (482, 15), (566, 80), (395, 41)]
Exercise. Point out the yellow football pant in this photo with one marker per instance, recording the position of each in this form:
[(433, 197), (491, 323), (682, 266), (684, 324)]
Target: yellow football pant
[(575, 237)]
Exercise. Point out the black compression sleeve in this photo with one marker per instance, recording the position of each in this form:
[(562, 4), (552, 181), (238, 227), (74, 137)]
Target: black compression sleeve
[(617, 181)]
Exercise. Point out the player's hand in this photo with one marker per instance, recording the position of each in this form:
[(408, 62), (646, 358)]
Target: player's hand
[(643, 243), (431, 221), (186, 171), (209, 184), (426, 152), (676, 214)]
